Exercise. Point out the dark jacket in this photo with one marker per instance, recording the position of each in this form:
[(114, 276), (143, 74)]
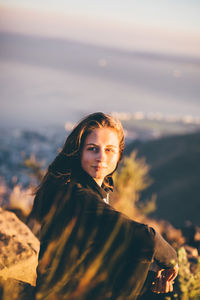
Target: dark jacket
[(90, 251)]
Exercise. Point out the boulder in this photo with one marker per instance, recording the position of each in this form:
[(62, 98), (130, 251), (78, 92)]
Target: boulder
[(18, 250)]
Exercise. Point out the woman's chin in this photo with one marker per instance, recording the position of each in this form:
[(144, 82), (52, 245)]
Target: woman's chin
[(98, 175)]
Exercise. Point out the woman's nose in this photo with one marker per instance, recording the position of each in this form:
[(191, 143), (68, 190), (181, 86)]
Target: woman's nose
[(101, 155)]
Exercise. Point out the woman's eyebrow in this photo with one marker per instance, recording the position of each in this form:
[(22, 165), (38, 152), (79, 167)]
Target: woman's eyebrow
[(92, 144), (112, 146)]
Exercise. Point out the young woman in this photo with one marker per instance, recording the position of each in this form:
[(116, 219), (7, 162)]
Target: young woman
[(89, 250)]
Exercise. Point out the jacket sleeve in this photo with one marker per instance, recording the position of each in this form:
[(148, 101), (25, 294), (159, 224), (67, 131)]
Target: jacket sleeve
[(164, 254), (148, 240), (142, 242)]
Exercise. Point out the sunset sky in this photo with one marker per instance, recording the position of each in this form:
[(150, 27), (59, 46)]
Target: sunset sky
[(168, 26), (100, 55)]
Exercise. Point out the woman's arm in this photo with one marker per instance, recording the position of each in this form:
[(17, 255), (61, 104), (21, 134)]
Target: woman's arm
[(166, 259), (164, 254)]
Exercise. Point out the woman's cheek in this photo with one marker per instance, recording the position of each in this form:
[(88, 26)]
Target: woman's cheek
[(114, 160)]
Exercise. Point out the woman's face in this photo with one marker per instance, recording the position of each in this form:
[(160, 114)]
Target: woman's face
[(100, 153)]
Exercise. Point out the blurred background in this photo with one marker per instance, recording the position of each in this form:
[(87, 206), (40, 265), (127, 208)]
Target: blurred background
[(60, 60), (139, 60)]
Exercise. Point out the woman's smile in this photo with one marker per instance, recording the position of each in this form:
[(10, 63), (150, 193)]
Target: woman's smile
[(99, 167), (99, 170)]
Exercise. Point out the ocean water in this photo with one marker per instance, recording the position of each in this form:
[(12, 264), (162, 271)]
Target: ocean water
[(50, 81)]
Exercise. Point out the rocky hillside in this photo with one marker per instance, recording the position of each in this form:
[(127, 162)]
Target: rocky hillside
[(175, 169)]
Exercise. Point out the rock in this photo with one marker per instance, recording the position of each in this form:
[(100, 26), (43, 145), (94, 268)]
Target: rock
[(18, 249), (14, 289)]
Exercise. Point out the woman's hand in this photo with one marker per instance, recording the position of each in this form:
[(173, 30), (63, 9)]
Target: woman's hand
[(164, 280)]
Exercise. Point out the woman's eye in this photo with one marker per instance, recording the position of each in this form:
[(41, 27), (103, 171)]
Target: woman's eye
[(94, 149), (109, 150)]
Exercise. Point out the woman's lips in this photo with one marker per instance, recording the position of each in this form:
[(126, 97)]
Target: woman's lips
[(97, 168)]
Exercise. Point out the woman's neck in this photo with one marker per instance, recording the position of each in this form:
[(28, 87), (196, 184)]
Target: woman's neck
[(98, 181)]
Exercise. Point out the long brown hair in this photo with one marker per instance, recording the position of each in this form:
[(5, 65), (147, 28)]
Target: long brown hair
[(68, 160)]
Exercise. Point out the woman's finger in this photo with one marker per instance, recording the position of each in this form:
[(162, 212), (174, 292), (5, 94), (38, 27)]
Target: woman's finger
[(171, 286)]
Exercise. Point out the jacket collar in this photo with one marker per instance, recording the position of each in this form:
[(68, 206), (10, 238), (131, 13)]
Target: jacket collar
[(87, 181)]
